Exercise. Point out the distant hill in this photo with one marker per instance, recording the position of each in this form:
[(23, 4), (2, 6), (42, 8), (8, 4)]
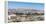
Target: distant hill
[(24, 10), (11, 11), (19, 10)]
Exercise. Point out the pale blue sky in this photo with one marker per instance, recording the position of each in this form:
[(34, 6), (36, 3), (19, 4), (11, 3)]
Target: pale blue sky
[(38, 6)]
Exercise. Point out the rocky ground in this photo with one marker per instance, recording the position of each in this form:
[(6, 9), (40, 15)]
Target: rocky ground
[(26, 18)]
